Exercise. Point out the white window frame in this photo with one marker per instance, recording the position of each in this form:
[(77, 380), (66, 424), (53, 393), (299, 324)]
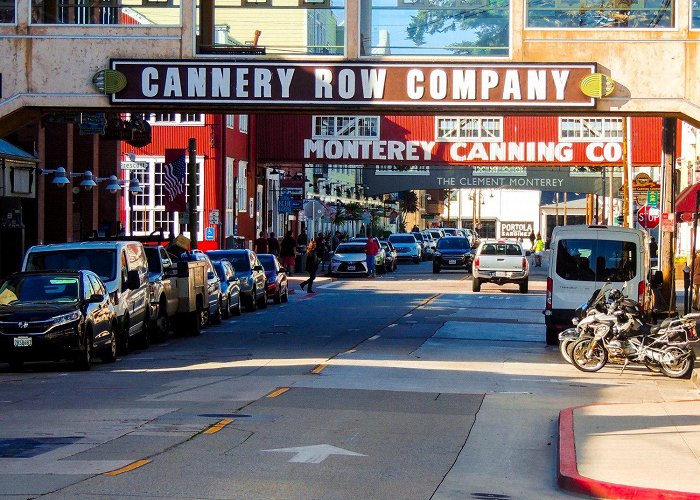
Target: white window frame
[(242, 187), (345, 126), (584, 123), (230, 120), (230, 206), (460, 131), (178, 119), (243, 124)]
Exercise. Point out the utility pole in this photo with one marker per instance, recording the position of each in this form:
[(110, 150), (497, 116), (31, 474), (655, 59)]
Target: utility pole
[(668, 201), (192, 191)]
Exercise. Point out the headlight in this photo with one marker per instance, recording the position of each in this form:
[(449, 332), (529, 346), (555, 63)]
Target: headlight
[(437, 253), (336, 260), (65, 318)]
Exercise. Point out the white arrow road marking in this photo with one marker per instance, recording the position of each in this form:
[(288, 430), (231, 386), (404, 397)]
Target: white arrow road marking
[(315, 454)]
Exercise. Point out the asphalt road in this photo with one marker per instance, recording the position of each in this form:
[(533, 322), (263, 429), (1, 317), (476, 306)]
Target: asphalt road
[(405, 386)]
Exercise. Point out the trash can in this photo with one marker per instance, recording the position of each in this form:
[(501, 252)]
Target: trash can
[(300, 262)]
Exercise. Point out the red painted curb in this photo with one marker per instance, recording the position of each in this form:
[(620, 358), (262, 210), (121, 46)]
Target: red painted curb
[(569, 479)]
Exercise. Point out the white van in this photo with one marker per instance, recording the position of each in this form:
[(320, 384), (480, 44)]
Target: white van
[(583, 259), (122, 266)]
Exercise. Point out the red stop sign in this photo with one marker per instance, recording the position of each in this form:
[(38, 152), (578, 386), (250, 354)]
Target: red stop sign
[(646, 219)]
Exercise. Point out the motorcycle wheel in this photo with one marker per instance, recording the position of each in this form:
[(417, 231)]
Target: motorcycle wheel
[(585, 361), (563, 349), (677, 363), (653, 366)]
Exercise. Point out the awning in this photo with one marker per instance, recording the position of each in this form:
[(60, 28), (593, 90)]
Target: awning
[(10, 151), (685, 201)]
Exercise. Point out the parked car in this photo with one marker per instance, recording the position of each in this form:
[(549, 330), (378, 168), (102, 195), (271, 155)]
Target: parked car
[(407, 247), (500, 262), (380, 259), (54, 316), (432, 242), (230, 288), (436, 233), (453, 252), (211, 314), (390, 255), (276, 287), (349, 258), (450, 231), (165, 297), (250, 273), (122, 267), (426, 250)]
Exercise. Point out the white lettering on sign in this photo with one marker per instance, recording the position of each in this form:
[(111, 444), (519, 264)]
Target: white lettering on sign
[(372, 84)]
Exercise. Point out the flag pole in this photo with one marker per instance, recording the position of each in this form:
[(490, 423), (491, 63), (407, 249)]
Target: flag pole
[(192, 192)]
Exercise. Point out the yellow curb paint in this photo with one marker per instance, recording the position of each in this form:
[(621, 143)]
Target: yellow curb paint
[(278, 392), (127, 468), (218, 426), (318, 369)]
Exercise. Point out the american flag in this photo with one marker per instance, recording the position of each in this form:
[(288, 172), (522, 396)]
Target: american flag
[(174, 185)]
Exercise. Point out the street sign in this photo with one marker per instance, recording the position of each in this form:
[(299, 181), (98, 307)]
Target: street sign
[(668, 221), (653, 198), (284, 203), (214, 215), (648, 217), (134, 165), (209, 234)]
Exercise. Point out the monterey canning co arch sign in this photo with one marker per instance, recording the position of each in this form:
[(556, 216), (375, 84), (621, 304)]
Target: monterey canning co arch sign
[(288, 84)]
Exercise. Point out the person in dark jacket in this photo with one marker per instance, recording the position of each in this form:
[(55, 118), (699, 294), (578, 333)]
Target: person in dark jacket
[(273, 244), (312, 262), (288, 252)]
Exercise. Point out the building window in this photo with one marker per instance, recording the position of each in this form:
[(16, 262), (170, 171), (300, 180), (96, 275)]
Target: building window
[(229, 121), (243, 124), (7, 11), (642, 14), (145, 211), (242, 187), (474, 28), (590, 129), (104, 12), (356, 127), (169, 119), (474, 129)]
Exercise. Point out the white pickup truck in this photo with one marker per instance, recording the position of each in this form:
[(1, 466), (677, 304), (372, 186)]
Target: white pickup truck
[(500, 262)]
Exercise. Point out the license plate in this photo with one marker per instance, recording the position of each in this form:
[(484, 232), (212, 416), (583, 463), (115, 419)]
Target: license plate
[(23, 341), (452, 262), (501, 274), (351, 268)]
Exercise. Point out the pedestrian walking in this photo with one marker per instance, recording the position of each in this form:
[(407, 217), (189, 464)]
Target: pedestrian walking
[(261, 243), (653, 248), (273, 245), (321, 250), (532, 240), (371, 251), (302, 239), (288, 252), (539, 249), (335, 241), (312, 262)]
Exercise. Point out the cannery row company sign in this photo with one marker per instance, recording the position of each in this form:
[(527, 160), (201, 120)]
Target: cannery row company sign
[(199, 82), (382, 179)]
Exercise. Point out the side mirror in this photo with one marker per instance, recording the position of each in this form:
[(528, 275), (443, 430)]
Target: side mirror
[(133, 280), (96, 298), (283, 270), (232, 279), (259, 268), (211, 275)]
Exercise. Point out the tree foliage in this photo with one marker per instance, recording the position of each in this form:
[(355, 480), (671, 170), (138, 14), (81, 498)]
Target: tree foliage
[(409, 203)]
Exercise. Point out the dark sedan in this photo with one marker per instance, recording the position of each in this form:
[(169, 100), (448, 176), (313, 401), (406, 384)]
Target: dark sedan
[(452, 252), (276, 286), (230, 288), (54, 316)]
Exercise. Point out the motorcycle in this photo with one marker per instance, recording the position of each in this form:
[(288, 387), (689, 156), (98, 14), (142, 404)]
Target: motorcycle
[(621, 337)]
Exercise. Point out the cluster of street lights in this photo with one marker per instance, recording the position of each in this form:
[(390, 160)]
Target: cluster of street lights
[(62, 178)]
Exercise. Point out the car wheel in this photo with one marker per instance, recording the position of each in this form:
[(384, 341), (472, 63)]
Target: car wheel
[(16, 365), (285, 295), (278, 296), (436, 269), (523, 287), (203, 315), (161, 325), (237, 309), (123, 340), (476, 284), (83, 361), (216, 317), (193, 325), (253, 304), (110, 354), (226, 311), (262, 302)]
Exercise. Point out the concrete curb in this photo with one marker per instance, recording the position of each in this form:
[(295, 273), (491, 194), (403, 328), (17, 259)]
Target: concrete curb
[(569, 479)]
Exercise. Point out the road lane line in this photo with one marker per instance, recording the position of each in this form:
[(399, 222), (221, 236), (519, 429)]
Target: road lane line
[(127, 468), (277, 392), (218, 426), (318, 369), (375, 337)]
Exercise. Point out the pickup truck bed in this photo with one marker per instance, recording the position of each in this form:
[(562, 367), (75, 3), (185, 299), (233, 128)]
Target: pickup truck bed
[(500, 262)]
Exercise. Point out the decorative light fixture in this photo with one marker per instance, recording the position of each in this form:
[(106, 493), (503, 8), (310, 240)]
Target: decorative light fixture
[(88, 182)]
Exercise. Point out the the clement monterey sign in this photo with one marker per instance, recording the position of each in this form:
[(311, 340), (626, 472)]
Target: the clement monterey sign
[(198, 82)]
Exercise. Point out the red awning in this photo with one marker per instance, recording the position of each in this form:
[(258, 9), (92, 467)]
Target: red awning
[(685, 201)]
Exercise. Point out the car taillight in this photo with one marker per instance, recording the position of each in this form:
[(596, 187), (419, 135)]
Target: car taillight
[(476, 262), (524, 263), (641, 289), (548, 301)]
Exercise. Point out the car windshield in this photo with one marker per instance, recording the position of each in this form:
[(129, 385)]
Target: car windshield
[(596, 260), (39, 289), (219, 268), (239, 260), (418, 236), (385, 245), (350, 248), (100, 261), (154, 260), (402, 238), (268, 262), (453, 243), (501, 249)]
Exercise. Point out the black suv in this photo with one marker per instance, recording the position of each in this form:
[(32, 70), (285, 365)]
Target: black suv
[(56, 315)]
